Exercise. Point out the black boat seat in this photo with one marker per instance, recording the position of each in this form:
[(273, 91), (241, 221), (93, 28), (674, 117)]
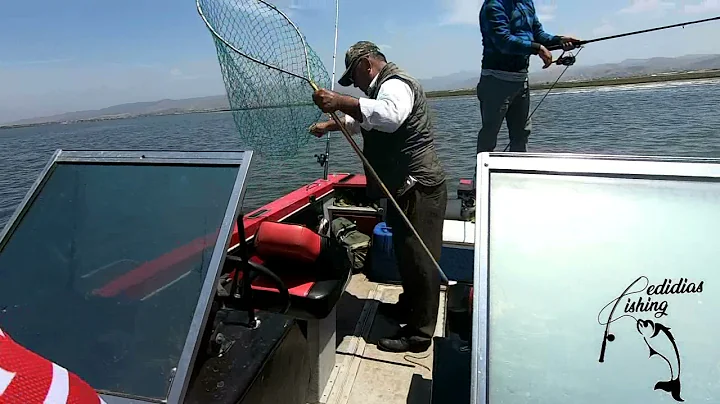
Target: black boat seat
[(305, 264), (312, 297)]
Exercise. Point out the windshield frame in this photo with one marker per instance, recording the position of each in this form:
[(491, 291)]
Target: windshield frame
[(240, 159)]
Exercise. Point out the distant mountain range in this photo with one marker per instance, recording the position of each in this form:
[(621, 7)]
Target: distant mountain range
[(215, 102), (626, 68), (460, 80)]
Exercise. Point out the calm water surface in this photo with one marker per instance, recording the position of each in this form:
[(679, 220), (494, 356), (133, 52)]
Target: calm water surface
[(679, 119)]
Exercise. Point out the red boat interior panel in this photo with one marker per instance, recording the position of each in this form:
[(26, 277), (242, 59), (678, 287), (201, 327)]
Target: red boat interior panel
[(290, 203)]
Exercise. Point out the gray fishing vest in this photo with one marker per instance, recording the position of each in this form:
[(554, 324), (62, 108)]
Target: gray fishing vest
[(409, 151)]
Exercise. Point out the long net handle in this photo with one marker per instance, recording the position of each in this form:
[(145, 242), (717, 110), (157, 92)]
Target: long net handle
[(387, 193)]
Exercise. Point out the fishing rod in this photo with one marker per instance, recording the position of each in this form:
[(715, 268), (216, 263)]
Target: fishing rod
[(605, 38), (569, 60), (326, 157)]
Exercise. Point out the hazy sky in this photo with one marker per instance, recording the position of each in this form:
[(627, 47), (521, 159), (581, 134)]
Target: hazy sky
[(59, 56)]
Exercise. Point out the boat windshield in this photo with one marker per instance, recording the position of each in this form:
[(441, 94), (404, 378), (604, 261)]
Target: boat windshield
[(104, 269), (601, 290)]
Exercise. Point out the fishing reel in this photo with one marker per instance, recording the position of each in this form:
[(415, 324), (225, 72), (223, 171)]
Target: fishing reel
[(321, 159), (567, 61)]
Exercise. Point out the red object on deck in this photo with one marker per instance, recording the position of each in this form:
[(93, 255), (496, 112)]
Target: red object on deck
[(288, 241), (28, 378)]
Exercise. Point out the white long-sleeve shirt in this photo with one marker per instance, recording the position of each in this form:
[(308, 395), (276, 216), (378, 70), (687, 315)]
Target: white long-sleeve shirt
[(388, 111)]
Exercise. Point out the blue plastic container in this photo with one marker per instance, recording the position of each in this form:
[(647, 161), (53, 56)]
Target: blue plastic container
[(456, 262), (383, 266), (382, 238)]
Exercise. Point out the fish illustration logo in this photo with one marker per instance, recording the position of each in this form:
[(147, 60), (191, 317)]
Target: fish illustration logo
[(658, 338)]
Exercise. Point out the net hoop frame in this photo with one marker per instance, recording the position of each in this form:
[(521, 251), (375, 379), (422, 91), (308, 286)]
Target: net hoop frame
[(236, 50)]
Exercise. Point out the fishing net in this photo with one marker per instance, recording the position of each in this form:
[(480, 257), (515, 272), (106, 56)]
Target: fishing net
[(270, 74), (266, 66)]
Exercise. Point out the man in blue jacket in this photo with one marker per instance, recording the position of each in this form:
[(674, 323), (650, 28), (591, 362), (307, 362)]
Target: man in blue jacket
[(511, 33)]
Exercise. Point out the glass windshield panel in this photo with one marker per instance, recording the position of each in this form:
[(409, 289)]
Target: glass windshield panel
[(103, 273), (563, 251)]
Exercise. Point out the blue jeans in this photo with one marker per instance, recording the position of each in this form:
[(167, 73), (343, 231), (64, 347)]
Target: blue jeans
[(503, 100)]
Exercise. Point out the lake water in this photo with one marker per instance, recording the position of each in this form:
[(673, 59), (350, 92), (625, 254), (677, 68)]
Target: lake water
[(679, 119)]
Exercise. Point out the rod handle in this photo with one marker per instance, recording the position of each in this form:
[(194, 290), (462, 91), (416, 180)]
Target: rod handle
[(559, 47)]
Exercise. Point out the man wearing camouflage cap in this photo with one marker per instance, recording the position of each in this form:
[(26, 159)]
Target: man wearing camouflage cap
[(398, 137)]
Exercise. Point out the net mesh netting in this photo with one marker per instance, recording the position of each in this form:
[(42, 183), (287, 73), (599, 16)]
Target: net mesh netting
[(266, 64)]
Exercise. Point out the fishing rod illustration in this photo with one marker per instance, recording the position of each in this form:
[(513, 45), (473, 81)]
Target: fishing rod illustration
[(605, 38)]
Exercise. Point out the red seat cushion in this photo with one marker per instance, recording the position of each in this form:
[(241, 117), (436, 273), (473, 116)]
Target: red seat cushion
[(297, 284), (287, 241)]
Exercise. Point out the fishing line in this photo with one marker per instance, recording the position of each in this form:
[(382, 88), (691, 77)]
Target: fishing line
[(409, 358), (605, 38), (616, 301), (569, 61)]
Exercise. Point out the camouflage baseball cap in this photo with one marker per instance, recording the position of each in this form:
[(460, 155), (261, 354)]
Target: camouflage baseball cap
[(352, 56)]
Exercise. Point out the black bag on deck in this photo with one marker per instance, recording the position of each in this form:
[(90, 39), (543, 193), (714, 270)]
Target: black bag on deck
[(355, 243)]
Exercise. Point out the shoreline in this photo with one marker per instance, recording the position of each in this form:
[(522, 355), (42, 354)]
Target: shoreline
[(659, 78)]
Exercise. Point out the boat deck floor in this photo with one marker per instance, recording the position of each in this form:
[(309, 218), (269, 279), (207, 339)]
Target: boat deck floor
[(363, 373)]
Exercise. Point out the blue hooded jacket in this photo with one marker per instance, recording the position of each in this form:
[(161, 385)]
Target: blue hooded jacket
[(511, 33)]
